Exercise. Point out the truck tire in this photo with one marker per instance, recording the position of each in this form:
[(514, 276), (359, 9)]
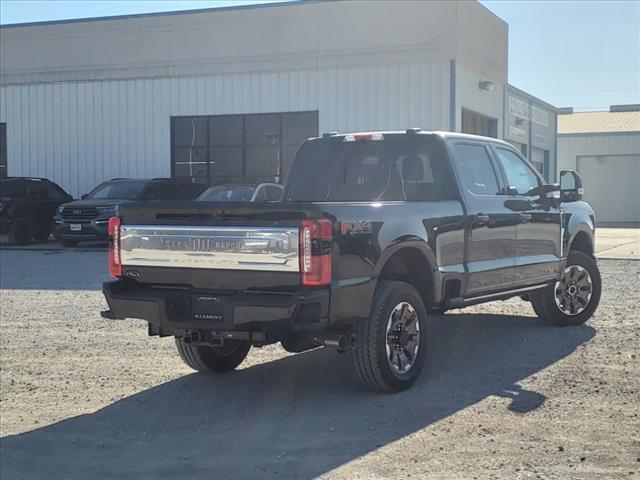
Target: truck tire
[(19, 233), (213, 359), (390, 346), (573, 299), (42, 234)]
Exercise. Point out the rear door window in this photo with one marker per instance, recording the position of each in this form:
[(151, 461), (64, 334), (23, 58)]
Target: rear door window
[(13, 189), (398, 168), (37, 191)]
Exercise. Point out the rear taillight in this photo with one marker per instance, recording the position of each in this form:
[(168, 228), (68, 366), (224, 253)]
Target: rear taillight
[(315, 252), (115, 262)]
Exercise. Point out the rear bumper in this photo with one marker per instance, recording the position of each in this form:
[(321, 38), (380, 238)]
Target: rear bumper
[(176, 311)]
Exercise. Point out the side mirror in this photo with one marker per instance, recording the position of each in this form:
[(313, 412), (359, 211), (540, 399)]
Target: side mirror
[(570, 186), (84, 196)]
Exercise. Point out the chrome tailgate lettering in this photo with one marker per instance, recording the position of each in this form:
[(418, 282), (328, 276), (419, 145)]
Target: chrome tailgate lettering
[(234, 248)]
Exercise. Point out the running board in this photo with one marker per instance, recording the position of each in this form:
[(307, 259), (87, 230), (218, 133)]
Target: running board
[(459, 302)]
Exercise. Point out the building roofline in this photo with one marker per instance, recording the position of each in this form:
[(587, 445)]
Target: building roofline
[(492, 13), (591, 134), (275, 4), (532, 98)]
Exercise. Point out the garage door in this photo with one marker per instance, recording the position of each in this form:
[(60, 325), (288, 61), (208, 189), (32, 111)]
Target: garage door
[(611, 186)]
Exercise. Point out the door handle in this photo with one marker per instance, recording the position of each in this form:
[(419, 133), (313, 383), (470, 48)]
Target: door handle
[(480, 219), (525, 217)]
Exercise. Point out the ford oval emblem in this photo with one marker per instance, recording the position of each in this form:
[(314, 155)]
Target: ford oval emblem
[(132, 273)]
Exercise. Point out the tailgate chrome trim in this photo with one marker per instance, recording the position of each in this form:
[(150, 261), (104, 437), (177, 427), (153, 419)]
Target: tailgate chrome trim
[(231, 248)]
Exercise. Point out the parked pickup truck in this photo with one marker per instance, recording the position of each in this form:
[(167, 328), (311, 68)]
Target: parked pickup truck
[(375, 232)]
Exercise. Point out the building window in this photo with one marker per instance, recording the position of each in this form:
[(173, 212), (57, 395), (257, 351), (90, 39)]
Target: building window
[(249, 148), (478, 124), (524, 150), (540, 160), (3, 150)]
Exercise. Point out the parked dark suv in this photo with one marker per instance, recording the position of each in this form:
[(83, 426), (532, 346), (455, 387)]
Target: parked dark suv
[(87, 219), (27, 206)]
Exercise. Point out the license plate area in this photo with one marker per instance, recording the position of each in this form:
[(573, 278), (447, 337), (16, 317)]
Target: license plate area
[(209, 308), (75, 227)]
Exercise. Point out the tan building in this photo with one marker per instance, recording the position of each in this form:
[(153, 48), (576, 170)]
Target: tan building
[(604, 147), (227, 94)]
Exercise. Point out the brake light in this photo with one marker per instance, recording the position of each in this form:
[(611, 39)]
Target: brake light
[(115, 265), (315, 252), (363, 137)]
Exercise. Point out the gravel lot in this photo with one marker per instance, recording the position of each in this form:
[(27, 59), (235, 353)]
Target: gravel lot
[(503, 396)]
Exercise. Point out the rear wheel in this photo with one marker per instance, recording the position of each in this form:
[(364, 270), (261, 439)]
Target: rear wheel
[(573, 299), (390, 346), (19, 233), (207, 359)]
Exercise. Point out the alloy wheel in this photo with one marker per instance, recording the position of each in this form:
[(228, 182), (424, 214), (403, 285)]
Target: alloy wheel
[(403, 338), (573, 291)]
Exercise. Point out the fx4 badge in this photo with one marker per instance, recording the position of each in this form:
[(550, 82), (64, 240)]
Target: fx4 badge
[(355, 228)]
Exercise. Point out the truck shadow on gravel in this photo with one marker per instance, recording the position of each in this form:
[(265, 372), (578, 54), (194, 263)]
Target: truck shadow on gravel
[(297, 417)]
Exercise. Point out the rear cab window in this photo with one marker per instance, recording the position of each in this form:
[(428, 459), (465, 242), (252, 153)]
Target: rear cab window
[(398, 167)]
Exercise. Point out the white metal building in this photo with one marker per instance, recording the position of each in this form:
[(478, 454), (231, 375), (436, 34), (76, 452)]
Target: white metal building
[(227, 94), (604, 147)]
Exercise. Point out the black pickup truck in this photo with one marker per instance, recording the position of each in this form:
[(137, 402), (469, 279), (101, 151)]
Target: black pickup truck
[(375, 232)]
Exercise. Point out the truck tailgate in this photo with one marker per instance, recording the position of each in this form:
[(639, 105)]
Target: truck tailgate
[(213, 245)]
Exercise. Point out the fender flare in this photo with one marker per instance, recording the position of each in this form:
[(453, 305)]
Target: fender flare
[(418, 244), (578, 229)]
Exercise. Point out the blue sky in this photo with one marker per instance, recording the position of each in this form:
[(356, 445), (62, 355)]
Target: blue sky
[(584, 54)]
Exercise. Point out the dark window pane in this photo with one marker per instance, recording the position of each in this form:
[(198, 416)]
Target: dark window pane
[(3, 158), (297, 127), (262, 129), (227, 180), (401, 168), (189, 132), (225, 161), (119, 189), (12, 188), (201, 180), (191, 170), (262, 161), (3, 137), (190, 155), (273, 193), (55, 193), (225, 130), (3, 171), (475, 169), (190, 162), (37, 190), (227, 193)]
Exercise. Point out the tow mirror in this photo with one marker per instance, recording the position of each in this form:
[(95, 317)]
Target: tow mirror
[(570, 186)]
